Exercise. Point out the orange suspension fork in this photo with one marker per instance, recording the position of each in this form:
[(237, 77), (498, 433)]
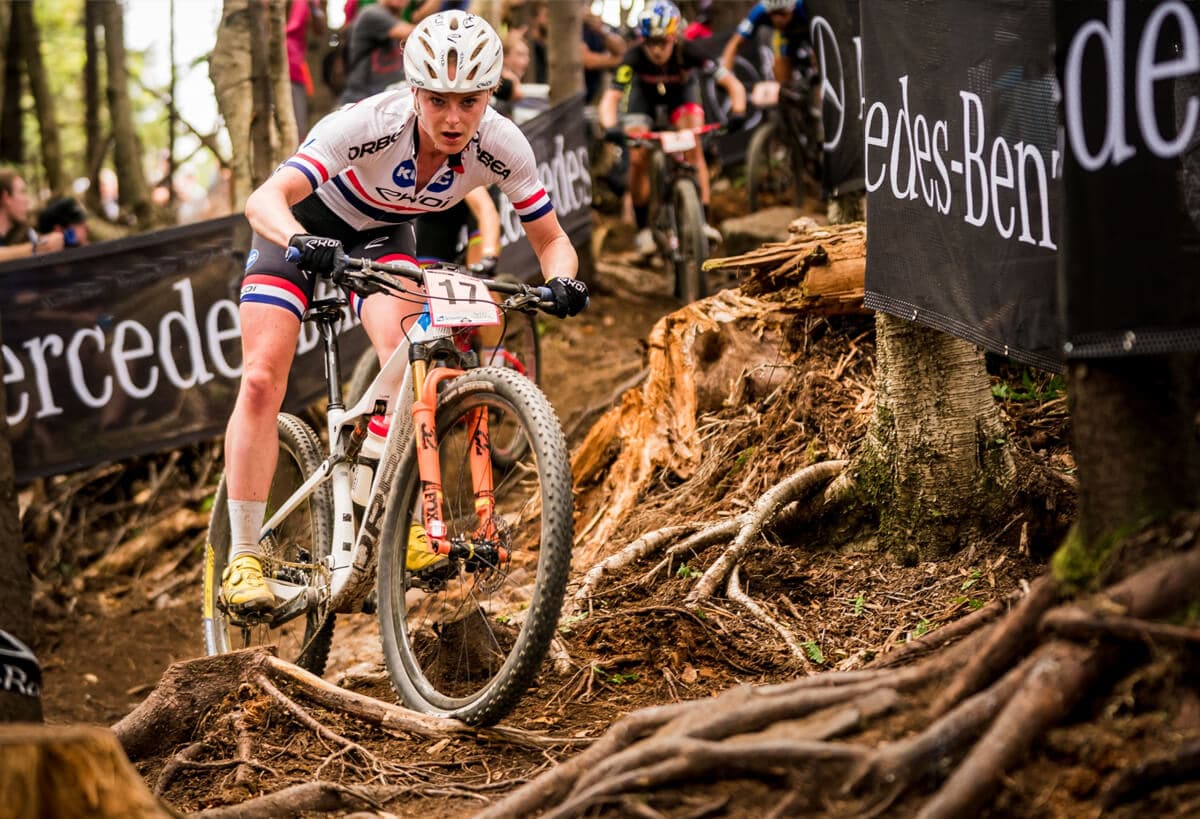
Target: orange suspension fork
[(425, 428)]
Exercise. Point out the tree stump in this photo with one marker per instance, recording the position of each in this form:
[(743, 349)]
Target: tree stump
[(71, 770)]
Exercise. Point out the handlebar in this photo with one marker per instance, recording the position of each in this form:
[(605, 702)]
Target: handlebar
[(366, 276)]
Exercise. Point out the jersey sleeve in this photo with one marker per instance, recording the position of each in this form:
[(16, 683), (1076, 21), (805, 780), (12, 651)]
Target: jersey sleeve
[(328, 149), (623, 75), (756, 17), (521, 184)]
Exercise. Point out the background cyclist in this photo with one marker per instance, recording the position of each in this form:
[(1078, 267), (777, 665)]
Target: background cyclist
[(356, 183), (789, 20), (660, 75)]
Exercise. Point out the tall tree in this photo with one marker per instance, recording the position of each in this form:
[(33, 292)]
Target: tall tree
[(565, 61), (131, 177), (12, 144), (26, 29), (96, 141), (242, 66)]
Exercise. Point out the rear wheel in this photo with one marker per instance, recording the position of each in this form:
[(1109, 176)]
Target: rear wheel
[(772, 172), (691, 283), (293, 559), (465, 637)]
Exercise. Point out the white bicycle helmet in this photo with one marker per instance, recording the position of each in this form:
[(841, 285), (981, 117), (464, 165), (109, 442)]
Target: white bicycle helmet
[(478, 53), (778, 5)]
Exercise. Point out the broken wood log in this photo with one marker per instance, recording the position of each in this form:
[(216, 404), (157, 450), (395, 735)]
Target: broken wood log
[(820, 270)]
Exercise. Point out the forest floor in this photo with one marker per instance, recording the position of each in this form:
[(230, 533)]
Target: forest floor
[(105, 644)]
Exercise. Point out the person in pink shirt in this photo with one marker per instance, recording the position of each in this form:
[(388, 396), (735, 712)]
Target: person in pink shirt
[(301, 14)]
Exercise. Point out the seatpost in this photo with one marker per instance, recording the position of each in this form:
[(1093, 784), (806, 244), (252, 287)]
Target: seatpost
[(327, 313)]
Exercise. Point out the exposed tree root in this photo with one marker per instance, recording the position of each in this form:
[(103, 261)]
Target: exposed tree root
[(738, 596), (639, 549), (1152, 775), (794, 487), (323, 797), (1005, 684)]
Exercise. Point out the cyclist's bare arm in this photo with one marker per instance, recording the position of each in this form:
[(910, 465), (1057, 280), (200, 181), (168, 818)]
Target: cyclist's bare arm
[(487, 218), (269, 208), (608, 107), (729, 53), (554, 250), (734, 88)]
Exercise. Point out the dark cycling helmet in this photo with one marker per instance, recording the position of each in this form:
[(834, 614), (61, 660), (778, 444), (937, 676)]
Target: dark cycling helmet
[(661, 19), (60, 213)]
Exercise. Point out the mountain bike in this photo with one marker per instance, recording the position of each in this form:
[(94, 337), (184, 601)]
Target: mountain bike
[(785, 151), (464, 636), (676, 215)]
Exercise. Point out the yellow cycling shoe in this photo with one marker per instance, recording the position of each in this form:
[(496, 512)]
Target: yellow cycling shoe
[(243, 587), (420, 557)]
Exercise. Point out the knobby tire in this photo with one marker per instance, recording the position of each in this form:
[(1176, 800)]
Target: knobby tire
[(691, 283), (470, 649), (304, 640)]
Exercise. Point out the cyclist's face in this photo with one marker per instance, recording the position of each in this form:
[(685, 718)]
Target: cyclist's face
[(17, 202), (658, 49), (450, 120), (780, 18)]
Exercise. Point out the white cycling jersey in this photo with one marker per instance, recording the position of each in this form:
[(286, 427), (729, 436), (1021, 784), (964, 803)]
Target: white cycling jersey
[(362, 162)]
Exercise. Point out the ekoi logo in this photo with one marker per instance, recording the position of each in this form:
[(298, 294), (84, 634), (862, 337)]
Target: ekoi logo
[(405, 174), (251, 259), (442, 183)]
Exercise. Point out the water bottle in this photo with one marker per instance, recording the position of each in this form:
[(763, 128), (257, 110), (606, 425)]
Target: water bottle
[(368, 456)]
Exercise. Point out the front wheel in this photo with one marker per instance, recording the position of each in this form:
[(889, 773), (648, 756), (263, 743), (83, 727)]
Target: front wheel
[(691, 282), (293, 559), (465, 637), (772, 175)]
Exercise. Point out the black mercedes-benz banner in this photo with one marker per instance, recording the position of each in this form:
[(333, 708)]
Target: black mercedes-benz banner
[(121, 348), (1130, 268), (559, 140), (834, 26), (963, 170)]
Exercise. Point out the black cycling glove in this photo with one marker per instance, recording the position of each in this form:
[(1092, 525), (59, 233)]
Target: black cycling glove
[(485, 267), (570, 296), (317, 253), (736, 122)]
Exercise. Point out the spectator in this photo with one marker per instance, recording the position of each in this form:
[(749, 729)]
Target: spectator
[(302, 15), (64, 216), (17, 239), (603, 49), (516, 61), (375, 58), (536, 31)]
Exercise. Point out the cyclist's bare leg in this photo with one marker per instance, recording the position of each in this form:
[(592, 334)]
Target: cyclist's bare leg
[(386, 321), (267, 353), (639, 176), (695, 119)]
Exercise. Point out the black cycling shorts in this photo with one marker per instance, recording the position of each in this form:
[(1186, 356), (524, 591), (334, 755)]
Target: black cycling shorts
[(271, 279)]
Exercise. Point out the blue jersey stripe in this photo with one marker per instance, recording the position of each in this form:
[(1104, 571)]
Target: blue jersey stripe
[(539, 213), (311, 179), (367, 210), (262, 298)]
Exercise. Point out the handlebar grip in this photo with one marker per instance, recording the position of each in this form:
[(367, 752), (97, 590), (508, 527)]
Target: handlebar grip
[(544, 293), (291, 254)]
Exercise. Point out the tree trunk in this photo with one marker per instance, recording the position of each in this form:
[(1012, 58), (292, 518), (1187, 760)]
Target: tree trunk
[(43, 100), (134, 193), (12, 144), (97, 143), (565, 62), (5, 23), (1137, 446), (229, 66), (936, 462)]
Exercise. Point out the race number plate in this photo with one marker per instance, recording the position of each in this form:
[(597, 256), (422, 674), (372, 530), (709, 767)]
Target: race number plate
[(674, 141), (765, 94), (456, 300)]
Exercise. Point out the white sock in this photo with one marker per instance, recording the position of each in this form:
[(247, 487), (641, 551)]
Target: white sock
[(245, 523), (493, 356)]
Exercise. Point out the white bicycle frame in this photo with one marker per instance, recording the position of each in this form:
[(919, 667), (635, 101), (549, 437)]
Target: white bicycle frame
[(354, 550)]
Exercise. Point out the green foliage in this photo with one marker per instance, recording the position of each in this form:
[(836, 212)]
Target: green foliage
[(859, 603), (206, 505), (923, 628), (814, 652), (685, 571), (971, 580), (615, 678), (1035, 386), (565, 625)]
